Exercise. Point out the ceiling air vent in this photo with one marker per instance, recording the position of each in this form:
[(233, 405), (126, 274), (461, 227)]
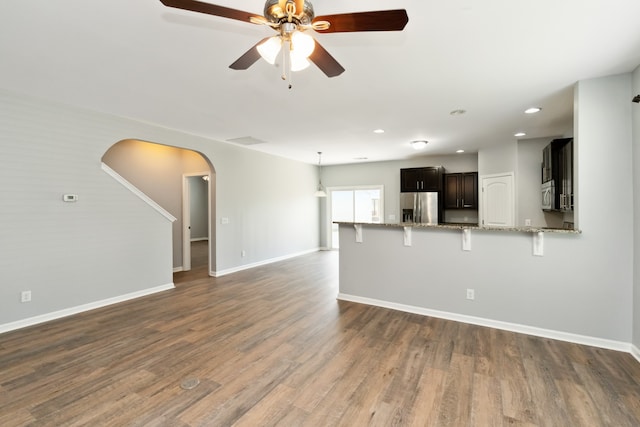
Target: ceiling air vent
[(247, 140)]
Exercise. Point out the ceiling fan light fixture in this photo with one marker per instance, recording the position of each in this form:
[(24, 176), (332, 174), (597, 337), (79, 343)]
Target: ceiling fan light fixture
[(302, 44), (290, 16), (269, 49), (298, 62)]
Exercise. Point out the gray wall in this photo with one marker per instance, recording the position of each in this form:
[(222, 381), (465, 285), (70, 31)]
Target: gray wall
[(110, 243), (583, 284), (636, 210), (502, 157), (157, 171)]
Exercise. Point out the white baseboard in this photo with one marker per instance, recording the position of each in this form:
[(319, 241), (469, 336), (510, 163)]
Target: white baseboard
[(178, 269), (199, 239), (512, 327), (635, 352), (259, 263), (81, 308)]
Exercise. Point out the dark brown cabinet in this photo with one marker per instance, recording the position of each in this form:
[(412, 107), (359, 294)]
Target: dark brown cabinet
[(461, 190), (421, 179)]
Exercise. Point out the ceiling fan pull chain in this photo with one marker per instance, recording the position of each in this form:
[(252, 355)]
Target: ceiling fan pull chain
[(290, 77), (284, 65), (289, 72)]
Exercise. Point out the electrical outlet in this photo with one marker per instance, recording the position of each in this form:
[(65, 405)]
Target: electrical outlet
[(527, 222), (471, 294), (243, 253), (25, 296)]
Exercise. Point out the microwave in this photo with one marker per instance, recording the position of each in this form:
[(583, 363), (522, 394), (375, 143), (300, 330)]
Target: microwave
[(548, 195)]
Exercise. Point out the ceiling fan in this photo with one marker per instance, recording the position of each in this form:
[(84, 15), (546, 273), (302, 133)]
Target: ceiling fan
[(291, 18)]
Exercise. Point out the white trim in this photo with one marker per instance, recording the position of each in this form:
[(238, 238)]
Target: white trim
[(82, 308), (178, 269), (260, 263), (186, 223), (135, 190), (199, 239), (513, 327), (635, 352), (186, 218)]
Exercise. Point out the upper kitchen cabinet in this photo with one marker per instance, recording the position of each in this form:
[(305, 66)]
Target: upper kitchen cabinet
[(421, 179), (557, 175), (461, 190)]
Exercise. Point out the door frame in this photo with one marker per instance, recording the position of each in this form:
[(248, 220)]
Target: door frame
[(328, 216), (186, 218)]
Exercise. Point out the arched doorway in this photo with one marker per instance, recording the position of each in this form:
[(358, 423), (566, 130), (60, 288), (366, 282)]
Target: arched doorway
[(160, 171)]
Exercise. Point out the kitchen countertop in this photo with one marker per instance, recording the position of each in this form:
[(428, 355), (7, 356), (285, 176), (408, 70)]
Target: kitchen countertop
[(468, 227)]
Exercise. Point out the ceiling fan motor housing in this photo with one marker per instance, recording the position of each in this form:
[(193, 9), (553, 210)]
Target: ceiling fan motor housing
[(274, 12)]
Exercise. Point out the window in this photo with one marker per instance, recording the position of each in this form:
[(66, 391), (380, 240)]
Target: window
[(354, 204)]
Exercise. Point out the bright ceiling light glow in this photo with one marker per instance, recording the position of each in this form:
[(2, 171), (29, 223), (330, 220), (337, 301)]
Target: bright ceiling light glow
[(519, 134), (459, 151), (532, 110), (298, 62), (418, 145), (269, 49), (302, 44), (378, 131)]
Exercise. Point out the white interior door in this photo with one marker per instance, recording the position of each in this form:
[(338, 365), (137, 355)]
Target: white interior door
[(497, 202)]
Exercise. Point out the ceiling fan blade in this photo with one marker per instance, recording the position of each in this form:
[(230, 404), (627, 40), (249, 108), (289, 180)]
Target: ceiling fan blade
[(383, 20), (249, 58), (325, 61), (210, 9)]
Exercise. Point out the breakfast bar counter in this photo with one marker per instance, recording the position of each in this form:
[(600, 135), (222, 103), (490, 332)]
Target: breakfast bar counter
[(460, 226), (519, 278)]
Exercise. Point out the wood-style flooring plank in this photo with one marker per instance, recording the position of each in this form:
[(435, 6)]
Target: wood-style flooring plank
[(271, 346)]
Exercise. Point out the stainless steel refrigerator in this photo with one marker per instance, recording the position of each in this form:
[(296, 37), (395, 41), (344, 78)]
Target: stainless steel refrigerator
[(421, 208)]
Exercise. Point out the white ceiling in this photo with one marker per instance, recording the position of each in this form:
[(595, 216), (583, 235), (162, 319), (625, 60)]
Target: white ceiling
[(493, 58)]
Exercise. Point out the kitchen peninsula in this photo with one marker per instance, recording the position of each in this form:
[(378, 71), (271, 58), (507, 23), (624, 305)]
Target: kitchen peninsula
[(461, 226), (465, 273)]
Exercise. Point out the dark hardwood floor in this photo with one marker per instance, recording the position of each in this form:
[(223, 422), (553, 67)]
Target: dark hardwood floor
[(273, 346)]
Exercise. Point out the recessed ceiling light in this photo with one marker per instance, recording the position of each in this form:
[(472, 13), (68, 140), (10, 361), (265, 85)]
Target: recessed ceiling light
[(519, 134), (459, 151), (458, 112), (532, 110), (378, 131), (419, 145)]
